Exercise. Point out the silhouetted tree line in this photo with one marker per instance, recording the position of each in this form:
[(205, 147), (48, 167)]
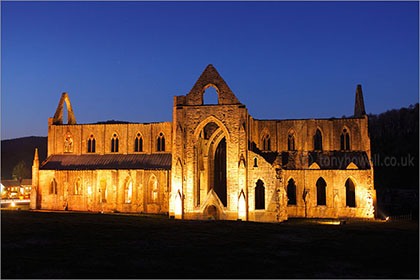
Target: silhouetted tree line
[(395, 134), (17, 156)]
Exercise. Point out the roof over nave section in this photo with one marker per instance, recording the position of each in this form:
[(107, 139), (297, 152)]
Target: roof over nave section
[(161, 161)]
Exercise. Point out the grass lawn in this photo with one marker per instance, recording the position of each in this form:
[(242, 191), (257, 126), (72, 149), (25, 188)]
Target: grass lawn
[(84, 245)]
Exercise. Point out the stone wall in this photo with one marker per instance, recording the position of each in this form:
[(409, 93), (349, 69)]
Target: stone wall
[(103, 134), (89, 197), (304, 130), (191, 119), (335, 193), (275, 197)]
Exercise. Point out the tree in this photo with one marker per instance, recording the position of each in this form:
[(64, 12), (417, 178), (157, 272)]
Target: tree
[(20, 171)]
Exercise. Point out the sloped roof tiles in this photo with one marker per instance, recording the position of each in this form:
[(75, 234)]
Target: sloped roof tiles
[(109, 161)]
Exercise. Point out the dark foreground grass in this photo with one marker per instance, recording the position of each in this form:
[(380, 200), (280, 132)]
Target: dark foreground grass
[(79, 245)]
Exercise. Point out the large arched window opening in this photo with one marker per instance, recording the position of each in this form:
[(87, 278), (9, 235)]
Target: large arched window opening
[(53, 186), (220, 179), (128, 191), (210, 95), (291, 142), (350, 193), (266, 143), (291, 192), (259, 195), (114, 143), (345, 140), (68, 143), (161, 143), (138, 143), (210, 146), (318, 140), (321, 194), (78, 186)]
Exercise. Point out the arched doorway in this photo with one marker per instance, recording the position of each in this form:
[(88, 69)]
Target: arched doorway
[(259, 195), (350, 193), (291, 192), (321, 196)]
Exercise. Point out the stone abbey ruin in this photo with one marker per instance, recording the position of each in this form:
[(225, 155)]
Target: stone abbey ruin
[(210, 162)]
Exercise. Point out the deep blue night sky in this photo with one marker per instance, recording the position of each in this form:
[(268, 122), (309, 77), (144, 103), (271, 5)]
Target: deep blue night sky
[(126, 60)]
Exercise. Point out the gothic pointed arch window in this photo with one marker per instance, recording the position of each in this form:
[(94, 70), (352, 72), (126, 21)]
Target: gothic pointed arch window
[(91, 144), (114, 143), (78, 186), (350, 193), (345, 140), (128, 191), (68, 143), (291, 192), (161, 143), (291, 142), (53, 186), (318, 140), (138, 143), (266, 142), (321, 194), (259, 195)]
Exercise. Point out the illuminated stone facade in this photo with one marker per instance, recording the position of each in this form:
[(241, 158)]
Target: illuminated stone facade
[(210, 162)]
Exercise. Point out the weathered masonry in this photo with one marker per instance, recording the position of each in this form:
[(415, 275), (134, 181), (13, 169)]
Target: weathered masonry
[(211, 162)]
